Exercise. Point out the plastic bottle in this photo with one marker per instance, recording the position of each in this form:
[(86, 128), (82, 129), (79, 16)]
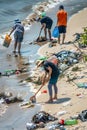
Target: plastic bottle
[(71, 122)]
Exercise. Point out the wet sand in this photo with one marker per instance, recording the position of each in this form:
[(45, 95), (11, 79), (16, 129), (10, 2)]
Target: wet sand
[(12, 116)]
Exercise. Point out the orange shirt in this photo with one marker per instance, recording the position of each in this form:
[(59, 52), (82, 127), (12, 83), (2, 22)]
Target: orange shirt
[(62, 17)]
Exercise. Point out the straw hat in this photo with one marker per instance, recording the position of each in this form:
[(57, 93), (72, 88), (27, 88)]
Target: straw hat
[(40, 62)]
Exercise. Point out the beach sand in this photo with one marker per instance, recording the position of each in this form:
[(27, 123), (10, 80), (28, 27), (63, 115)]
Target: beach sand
[(68, 100)]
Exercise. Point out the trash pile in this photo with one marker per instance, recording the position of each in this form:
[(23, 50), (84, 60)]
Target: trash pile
[(39, 120), (67, 58), (42, 119)]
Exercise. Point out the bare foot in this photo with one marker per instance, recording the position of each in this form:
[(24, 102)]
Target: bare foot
[(49, 101), (55, 98)]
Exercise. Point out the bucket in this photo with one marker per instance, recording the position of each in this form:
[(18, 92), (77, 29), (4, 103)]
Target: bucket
[(7, 41)]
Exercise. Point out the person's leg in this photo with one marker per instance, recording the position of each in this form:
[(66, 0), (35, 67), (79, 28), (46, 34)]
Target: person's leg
[(64, 33), (15, 43), (63, 38), (55, 91), (45, 32), (50, 92), (19, 47), (20, 39), (59, 39), (59, 28), (49, 32), (15, 46)]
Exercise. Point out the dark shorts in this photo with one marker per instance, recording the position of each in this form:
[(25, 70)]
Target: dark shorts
[(18, 36), (53, 80), (62, 29), (49, 25)]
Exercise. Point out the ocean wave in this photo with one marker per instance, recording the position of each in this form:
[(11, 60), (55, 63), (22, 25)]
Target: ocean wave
[(26, 8), (7, 12), (39, 8)]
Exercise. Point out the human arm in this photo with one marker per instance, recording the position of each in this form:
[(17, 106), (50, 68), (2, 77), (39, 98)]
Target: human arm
[(11, 31), (49, 72), (46, 76), (43, 78), (57, 19)]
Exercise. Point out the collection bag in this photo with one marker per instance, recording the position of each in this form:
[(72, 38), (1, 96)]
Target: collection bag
[(55, 32)]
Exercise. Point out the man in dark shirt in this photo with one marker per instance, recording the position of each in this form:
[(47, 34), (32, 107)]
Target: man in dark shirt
[(51, 74), (46, 23)]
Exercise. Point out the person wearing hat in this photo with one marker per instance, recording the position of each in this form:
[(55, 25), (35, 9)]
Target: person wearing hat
[(46, 23), (62, 23), (18, 30), (51, 74)]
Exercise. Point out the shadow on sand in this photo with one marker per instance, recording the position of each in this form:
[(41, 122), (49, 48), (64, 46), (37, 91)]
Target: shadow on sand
[(58, 101)]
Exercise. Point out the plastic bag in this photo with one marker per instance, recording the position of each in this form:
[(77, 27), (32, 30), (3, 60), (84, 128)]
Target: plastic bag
[(55, 32), (83, 115)]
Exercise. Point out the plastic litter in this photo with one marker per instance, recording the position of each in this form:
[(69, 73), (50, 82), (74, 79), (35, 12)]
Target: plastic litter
[(44, 91), (56, 126), (82, 85), (71, 122), (42, 116), (83, 115), (53, 126), (61, 113), (31, 126)]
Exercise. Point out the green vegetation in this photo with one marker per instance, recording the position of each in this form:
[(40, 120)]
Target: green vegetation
[(83, 37), (85, 57)]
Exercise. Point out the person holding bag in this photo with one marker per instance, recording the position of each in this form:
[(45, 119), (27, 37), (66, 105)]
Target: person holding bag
[(61, 23)]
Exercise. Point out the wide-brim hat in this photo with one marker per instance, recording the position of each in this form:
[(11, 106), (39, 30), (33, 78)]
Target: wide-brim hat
[(40, 62), (17, 21)]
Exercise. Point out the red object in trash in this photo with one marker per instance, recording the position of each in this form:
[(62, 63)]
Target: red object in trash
[(44, 91), (17, 72), (79, 94), (61, 122)]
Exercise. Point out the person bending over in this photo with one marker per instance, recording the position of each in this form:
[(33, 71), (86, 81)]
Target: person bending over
[(46, 23), (51, 74)]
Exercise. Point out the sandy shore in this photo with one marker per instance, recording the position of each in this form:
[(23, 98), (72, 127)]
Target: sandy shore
[(68, 99)]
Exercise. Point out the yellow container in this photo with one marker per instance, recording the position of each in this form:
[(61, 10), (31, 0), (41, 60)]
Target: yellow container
[(7, 41)]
